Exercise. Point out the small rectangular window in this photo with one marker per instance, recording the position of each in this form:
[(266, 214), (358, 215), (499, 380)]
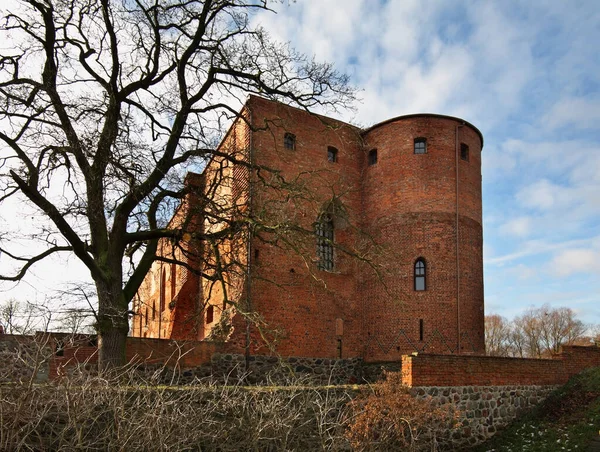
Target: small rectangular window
[(332, 154), (420, 146), (464, 152), (420, 329), (372, 157), (210, 312)]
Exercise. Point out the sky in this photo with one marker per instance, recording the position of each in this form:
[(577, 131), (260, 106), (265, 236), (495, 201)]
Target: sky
[(525, 73)]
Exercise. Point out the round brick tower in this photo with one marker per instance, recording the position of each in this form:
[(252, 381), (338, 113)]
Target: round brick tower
[(422, 204)]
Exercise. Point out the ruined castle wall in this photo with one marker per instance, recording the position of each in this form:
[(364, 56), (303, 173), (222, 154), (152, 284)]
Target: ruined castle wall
[(307, 311)]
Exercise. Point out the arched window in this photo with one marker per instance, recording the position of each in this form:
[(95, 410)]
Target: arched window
[(324, 231), (420, 274), (420, 146), (154, 310), (289, 141)]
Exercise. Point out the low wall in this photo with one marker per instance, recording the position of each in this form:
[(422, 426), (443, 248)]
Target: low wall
[(462, 370), (265, 369), (224, 368), (50, 355), (484, 409), (71, 351)]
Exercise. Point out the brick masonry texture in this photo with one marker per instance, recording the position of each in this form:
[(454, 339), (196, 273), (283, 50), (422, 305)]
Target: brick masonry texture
[(404, 207), (50, 355), (446, 370)]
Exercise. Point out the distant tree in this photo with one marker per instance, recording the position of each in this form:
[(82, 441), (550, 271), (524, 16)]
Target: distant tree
[(497, 335), (596, 335), (539, 332), (104, 105), (517, 342), (17, 317), (559, 327), (527, 330)]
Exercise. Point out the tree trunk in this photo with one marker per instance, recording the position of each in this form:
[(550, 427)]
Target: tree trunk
[(112, 327)]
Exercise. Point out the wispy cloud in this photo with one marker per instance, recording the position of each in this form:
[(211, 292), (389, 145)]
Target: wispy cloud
[(528, 75), (578, 113), (535, 248)]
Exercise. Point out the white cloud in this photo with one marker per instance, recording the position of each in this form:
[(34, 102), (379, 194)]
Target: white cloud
[(580, 113), (530, 248), (519, 71), (519, 227), (524, 272), (573, 261), (542, 194)]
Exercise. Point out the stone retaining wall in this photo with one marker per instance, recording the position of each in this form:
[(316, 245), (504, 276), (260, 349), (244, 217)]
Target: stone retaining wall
[(485, 409), (231, 368)]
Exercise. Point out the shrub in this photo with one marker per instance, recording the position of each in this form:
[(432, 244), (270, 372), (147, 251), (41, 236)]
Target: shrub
[(389, 417)]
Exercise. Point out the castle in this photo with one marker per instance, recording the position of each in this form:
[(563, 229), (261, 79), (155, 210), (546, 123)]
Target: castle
[(355, 242)]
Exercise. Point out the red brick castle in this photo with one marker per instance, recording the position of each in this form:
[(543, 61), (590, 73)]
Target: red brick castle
[(355, 242)]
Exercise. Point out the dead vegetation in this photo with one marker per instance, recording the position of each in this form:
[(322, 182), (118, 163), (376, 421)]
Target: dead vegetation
[(123, 412), (130, 410)]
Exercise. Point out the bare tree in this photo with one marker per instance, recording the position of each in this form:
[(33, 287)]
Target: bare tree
[(596, 335), (559, 327), (497, 335), (105, 105), (539, 332), (517, 342), (23, 317), (528, 328)]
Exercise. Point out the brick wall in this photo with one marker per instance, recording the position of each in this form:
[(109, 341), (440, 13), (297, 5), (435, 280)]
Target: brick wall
[(389, 214), (409, 203), (400, 209), (57, 352), (300, 304), (70, 351), (453, 370)]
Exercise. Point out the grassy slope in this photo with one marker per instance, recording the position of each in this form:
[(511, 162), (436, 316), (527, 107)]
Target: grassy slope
[(567, 421)]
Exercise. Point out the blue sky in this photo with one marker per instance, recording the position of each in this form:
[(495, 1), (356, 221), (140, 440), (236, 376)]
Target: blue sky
[(527, 75)]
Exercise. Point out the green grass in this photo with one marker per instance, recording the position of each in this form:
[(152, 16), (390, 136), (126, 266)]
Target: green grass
[(567, 421)]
